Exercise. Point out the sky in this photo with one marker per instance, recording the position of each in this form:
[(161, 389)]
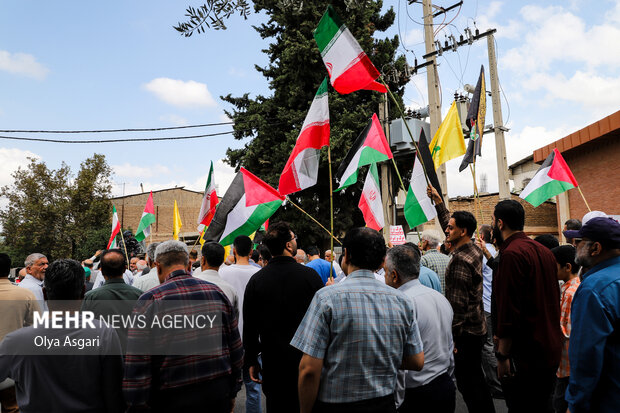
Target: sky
[(68, 65)]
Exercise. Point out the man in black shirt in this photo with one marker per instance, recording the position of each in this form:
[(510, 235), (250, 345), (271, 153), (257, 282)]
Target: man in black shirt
[(276, 300)]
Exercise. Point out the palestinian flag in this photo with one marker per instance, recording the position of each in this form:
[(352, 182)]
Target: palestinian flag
[(302, 167), (247, 204), (475, 121), (370, 201), (116, 229), (148, 218), (370, 147), (427, 162), (348, 66), (553, 178), (418, 207), (209, 202)]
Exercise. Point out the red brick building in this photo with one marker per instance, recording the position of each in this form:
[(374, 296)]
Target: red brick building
[(593, 155)]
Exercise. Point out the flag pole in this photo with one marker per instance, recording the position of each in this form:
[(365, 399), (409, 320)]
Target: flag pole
[(124, 247), (402, 116), (313, 219), (199, 236), (402, 185), (331, 209), (584, 199)]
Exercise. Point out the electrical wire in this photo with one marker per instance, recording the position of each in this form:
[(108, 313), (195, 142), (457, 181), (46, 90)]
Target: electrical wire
[(168, 138), (116, 130)]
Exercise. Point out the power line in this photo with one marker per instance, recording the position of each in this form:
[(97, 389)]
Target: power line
[(168, 138), (116, 130)]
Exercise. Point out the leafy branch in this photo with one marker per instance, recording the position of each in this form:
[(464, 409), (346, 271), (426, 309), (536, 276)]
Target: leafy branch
[(211, 15)]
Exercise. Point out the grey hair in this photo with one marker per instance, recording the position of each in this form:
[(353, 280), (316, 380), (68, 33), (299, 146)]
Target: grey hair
[(32, 258), (405, 260), (172, 252), (433, 237), (150, 250)]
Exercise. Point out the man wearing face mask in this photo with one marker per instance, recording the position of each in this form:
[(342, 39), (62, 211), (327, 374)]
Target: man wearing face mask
[(594, 351), (528, 313), (464, 292), (276, 299)]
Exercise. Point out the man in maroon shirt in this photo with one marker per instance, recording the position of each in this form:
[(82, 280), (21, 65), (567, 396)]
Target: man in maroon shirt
[(528, 313)]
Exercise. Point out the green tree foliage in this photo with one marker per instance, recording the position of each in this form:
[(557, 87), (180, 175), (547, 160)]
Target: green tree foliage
[(51, 212), (294, 73)]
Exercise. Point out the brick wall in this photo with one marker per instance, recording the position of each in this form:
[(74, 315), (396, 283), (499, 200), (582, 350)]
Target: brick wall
[(596, 167), (130, 210)]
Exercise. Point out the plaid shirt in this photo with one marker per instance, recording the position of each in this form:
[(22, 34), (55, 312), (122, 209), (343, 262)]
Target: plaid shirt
[(568, 291), (145, 374), (437, 262), (361, 329), (464, 284)]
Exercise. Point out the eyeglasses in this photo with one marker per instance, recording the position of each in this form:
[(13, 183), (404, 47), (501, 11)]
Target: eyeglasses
[(294, 238)]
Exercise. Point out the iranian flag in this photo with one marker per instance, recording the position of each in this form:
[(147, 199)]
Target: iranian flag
[(209, 202), (247, 204), (348, 66), (302, 167), (370, 201), (148, 218), (116, 229), (370, 147), (418, 207), (553, 178)]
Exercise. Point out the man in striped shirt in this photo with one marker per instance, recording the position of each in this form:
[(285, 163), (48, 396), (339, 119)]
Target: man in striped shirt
[(182, 368)]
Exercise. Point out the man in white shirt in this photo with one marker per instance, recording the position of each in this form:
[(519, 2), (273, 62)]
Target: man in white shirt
[(329, 257), (36, 265), (238, 275), (210, 262), (151, 279)]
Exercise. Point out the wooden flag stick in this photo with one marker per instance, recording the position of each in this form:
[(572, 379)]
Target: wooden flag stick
[(331, 209), (199, 236), (584, 199), (124, 247), (402, 185), (313, 219), (402, 116)]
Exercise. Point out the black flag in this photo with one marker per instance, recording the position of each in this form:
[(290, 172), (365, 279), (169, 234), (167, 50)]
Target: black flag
[(427, 161), (475, 121)]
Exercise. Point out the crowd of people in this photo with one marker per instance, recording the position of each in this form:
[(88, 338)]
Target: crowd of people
[(482, 309)]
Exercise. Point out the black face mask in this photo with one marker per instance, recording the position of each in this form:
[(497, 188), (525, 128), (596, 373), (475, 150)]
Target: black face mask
[(497, 234)]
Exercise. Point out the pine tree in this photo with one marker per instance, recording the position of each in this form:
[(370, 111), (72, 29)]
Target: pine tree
[(294, 74)]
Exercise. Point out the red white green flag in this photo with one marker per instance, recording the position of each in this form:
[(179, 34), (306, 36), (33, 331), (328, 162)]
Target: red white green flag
[(302, 168), (370, 201), (553, 177), (116, 229), (348, 66), (246, 205), (370, 147), (209, 202), (148, 218)]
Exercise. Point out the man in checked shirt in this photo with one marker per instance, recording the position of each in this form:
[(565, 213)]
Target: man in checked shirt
[(183, 369), (464, 292)]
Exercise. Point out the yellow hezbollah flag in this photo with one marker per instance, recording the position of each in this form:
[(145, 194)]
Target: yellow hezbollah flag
[(176, 222), (448, 142)]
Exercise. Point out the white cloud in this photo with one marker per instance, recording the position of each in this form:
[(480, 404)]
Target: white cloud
[(22, 64), (234, 71), (10, 160), (181, 93), (488, 20), (128, 170), (174, 119), (224, 118), (413, 37)]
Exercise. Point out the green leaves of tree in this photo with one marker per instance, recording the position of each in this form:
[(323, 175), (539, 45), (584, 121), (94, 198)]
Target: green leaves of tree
[(211, 15)]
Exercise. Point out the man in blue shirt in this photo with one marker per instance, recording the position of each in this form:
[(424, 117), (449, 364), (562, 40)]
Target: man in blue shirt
[(356, 335), (594, 351), (319, 265)]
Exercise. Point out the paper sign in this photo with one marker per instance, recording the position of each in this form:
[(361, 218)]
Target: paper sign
[(397, 235)]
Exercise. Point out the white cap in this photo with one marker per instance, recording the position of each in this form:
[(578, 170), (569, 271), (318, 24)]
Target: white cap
[(593, 214)]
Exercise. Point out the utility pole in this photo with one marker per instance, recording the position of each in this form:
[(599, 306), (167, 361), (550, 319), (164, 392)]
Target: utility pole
[(498, 123), (434, 100), (386, 172)]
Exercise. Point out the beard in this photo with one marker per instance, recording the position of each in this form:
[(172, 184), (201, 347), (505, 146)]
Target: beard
[(582, 258), (497, 235)]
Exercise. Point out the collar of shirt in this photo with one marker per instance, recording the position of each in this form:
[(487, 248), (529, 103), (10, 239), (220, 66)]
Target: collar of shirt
[(432, 251), (177, 273), (510, 239), (362, 273), (118, 280), (212, 273), (465, 247), (30, 278), (569, 283), (409, 285), (601, 265)]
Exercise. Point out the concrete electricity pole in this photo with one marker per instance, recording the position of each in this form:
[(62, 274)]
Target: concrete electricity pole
[(434, 100), (386, 172)]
